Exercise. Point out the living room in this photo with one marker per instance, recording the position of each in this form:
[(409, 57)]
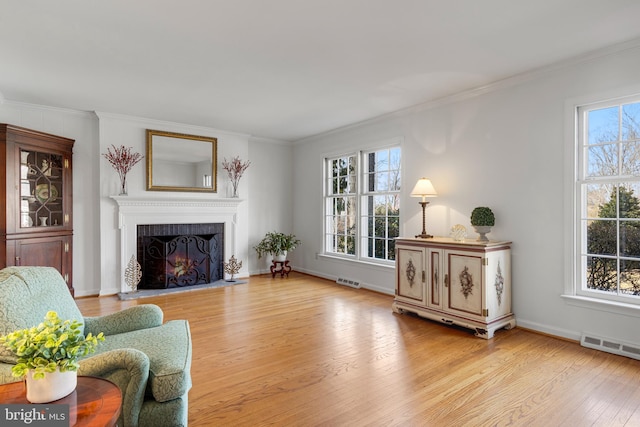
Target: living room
[(508, 144)]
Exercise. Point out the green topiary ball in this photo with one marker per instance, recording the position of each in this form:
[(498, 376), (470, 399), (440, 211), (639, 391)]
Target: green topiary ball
[(482, 216)]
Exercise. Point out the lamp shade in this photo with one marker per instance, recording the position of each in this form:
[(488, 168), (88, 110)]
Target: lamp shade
[(423, 189)]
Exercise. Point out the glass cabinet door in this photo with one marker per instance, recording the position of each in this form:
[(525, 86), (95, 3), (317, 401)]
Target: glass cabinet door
[(41, 189)]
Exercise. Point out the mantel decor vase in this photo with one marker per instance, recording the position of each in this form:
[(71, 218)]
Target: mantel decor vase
[(122, 160), (123, 186), (54, 386), (235, 168)]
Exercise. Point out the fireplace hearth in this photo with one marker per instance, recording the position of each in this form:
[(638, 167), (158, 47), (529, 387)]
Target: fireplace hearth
[(178, 255)]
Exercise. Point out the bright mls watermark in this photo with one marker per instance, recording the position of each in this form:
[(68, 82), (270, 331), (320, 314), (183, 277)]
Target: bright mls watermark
[(34, 415)]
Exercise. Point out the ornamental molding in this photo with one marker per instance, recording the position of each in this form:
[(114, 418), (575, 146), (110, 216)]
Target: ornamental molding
[(127, 201)]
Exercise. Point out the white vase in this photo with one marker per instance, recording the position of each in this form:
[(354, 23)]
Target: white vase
[(54, 386), (281, 257), (482, 230)]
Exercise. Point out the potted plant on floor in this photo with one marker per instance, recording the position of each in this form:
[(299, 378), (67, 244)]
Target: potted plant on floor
[(482, 219), (277, 244), (48, 355)]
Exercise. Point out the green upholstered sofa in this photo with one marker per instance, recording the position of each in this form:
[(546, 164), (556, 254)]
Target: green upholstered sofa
[(149, 360)]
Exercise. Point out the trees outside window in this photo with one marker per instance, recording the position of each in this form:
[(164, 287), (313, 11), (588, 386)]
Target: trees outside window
[(608, 187)]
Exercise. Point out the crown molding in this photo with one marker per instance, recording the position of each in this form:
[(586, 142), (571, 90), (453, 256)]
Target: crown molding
[(102, 115)]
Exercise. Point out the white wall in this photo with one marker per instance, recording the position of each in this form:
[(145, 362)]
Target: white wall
[(501, 147), (271, 184)]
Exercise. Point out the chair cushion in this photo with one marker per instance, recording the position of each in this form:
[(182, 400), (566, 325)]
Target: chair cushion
[(26, 295), (168, 348)]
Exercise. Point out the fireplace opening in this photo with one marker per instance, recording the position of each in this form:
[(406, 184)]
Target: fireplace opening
[(178, 255)]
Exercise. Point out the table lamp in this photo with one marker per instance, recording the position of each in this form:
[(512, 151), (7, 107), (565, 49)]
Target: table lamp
[(424, 189)]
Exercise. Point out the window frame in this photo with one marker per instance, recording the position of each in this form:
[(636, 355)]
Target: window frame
[(360, 253), (577, 291)]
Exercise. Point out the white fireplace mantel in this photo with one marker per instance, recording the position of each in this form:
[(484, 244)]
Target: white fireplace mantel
[(134, 211)]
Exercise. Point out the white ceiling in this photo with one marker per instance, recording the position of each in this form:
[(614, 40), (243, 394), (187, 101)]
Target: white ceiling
[(285, 69)]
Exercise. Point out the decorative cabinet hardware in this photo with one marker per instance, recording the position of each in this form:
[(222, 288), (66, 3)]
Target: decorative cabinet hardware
[(477, 282)]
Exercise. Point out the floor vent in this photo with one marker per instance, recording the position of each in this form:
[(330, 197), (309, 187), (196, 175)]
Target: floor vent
[(610, 346), (348, 282)]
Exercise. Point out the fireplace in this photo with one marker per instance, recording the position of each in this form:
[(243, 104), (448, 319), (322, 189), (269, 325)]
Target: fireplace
[(181, 209), (178, 255)]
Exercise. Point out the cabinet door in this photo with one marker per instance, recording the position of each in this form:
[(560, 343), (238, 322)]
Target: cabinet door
[(410, 268), (465, 288), (42, 251), (436, 277), (43, 190)]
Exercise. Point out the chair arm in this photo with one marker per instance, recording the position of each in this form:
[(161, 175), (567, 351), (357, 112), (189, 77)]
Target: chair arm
[(130, 319), (129, 370), (6, 376)]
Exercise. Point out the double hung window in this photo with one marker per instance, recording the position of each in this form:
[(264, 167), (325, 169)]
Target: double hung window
[(608, 201), (362, 204)]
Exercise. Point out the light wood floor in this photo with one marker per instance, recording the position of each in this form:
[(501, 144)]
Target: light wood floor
[(304, 351)]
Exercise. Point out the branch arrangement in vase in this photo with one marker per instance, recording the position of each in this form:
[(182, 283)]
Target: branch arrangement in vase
[(235, 169), (122, 160)]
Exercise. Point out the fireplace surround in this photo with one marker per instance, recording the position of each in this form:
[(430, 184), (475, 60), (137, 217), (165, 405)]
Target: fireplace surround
[(134, 211), (177, 255)]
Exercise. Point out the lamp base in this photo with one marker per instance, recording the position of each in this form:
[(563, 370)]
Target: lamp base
[(424, 236)]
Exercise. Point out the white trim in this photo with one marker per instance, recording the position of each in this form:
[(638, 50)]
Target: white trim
[(614, 307), (83, 113), (334, 278), (145, 122), (144, 210), (546, 329), (359, 153), (382, 264), (356, 149), (572, 288)]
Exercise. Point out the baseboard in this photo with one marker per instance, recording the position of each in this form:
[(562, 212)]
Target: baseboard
[(548, 330)]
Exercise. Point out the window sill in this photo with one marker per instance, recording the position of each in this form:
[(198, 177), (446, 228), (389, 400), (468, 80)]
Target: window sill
[(603, 305), (382, 266)]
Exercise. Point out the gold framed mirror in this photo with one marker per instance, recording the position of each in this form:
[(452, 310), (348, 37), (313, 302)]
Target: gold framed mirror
[(181, 162)]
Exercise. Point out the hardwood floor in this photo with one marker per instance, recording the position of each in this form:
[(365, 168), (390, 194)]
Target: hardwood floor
[(303, 351)]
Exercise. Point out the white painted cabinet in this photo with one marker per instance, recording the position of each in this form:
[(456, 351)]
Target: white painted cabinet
[(465, 283)]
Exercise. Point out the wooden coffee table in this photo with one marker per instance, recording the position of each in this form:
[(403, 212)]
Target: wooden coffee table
[(95, 402)]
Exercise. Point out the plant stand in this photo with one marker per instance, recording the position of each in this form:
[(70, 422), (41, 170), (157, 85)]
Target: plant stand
[(281, 267)]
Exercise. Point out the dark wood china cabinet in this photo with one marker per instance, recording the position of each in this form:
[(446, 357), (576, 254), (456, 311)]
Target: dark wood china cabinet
[(37, 222)]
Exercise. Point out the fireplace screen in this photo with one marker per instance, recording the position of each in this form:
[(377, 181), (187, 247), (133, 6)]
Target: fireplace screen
[(180, 260)]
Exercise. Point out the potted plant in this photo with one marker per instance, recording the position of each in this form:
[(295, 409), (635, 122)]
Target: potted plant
[(482, 219), (277, 244), (48, 354)]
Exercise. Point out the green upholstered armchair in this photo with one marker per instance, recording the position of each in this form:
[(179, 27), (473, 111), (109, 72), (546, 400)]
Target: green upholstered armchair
[(149, 360)]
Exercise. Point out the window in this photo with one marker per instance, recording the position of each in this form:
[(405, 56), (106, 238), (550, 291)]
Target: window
[(608, 191), (362, 204)]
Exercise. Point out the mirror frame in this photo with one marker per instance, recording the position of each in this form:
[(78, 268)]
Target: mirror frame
[(151, 134)]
